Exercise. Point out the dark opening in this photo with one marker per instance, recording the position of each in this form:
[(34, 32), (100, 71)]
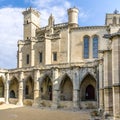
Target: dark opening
[(12, 94), (27, 90), (27, 59), (90, 93), (40, 57), (1, 89), (50, 92), (55, 56)]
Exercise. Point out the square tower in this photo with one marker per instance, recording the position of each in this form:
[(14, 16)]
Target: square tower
[(31, 22)]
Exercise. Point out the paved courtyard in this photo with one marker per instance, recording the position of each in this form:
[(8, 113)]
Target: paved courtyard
[(12, 112)]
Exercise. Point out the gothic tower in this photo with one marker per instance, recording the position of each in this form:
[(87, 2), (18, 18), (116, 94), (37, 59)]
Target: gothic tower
[(31, 22)]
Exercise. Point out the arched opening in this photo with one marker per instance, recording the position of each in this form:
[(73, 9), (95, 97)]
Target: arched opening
[(90, 93), (29, 88), (46, 89), (1, 88), (14, 85), (88, 89), (12, 94), (66, 89)]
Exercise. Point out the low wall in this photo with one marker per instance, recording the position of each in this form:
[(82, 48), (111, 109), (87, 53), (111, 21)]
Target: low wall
[(45, 103), (88, 104), (28, 102), (13, 100), (66, 104), (2, 99)]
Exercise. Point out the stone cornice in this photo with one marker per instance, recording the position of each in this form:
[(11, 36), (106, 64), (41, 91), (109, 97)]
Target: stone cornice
[(116, 85), (110, 36), (105, 50), (3, 70), (107, 87), (89, 28)]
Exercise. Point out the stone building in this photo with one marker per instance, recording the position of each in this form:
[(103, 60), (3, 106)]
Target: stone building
[(66, 65)]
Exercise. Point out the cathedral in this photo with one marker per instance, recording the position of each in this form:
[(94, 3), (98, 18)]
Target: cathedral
[(66, 65)]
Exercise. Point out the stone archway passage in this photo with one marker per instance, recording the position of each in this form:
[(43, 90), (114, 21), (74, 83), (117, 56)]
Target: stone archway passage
[(88, 88), (29, 88), (46, 89), (13, 88), (66, 89), (1, 88)]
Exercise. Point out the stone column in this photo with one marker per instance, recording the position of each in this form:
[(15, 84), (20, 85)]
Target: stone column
[(21, 93), (76, 97), (20, 45), (36, 84), (76, 89), (7, 89), (116, 76), (55, 94), (32, 54), (101, 90), (108, 103)]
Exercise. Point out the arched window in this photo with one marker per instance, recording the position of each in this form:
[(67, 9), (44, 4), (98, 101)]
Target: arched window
[(114, 21), (90, 93), (86, 47), (95, 47)]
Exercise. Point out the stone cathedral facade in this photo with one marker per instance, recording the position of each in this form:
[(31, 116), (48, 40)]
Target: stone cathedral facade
[(66, 65)]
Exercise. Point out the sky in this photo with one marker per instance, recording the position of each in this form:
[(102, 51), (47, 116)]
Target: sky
[(91, 13)]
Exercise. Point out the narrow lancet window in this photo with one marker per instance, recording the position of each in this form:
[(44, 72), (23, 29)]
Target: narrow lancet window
[(86, 47), (95, 47)]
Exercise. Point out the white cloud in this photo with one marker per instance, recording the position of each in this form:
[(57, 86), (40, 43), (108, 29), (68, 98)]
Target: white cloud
[(57, 8), (10, 32), (11, 26)]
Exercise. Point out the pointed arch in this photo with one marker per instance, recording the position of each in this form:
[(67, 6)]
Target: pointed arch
[(13, 87), (46, 88), (66, 88), (29, 88), (85, 74), (2, 87), (88, 88)]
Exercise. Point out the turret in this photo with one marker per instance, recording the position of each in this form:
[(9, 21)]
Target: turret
[(31, 22), (73, 17), (113, 19)]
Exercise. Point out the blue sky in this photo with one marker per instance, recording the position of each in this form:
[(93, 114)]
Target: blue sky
[(92, 12)]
